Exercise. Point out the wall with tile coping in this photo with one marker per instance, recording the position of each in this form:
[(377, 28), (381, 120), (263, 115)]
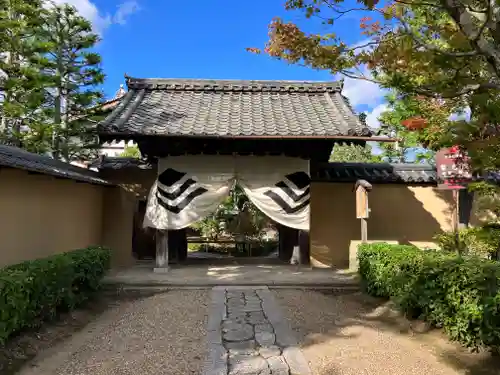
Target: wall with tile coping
[(399, 214), (42, 215)]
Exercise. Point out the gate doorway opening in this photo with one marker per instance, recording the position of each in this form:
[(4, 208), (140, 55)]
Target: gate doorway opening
[(236, 232)]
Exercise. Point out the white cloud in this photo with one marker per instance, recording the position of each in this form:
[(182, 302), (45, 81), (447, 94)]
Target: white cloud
[(359, 91), (101, 21), (125, 10), (372, 117), (363, 92)]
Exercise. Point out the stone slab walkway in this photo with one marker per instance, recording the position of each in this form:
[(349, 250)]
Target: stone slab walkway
[(248, 335)]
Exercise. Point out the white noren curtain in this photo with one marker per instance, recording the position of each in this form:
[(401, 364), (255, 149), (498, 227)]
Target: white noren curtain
[(189, 188)]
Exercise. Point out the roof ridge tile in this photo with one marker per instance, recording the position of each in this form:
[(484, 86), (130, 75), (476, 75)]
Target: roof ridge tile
[(186, 84)]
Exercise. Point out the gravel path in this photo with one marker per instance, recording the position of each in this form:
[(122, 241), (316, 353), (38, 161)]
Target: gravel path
[(168, 334), (160, 334), (349, 335)]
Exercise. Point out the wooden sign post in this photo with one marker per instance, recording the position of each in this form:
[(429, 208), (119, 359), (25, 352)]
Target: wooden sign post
[(454, 173), (362, 188)]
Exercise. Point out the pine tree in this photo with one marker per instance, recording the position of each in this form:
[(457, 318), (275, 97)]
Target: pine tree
[(21, 81), (75, 74)]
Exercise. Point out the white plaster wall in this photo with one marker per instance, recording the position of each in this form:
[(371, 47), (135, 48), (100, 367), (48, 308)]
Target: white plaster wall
[(114, 149)]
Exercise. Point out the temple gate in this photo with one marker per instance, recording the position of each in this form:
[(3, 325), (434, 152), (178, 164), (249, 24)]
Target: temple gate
[(206, 135)]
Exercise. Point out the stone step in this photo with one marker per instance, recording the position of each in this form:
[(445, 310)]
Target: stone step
[(332, 288)]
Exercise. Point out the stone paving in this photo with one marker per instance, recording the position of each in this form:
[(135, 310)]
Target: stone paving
[(248, 335)]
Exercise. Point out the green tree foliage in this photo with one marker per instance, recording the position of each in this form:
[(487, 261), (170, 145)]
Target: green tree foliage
[(399, 109), (21, 80), (131, 152), (353, 153), (443, 53), (75, 73), (487, 199), (235, 215), (48, 78)]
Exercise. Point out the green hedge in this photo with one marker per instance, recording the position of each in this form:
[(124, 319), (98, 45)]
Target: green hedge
[(459, 294), (33, 291), (481, 241)]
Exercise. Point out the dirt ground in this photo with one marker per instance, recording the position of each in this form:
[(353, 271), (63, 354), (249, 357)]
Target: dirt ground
[(355, 334)]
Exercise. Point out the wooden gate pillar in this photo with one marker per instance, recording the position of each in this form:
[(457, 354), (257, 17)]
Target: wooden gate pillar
[(179, 245), (288, 239), (161, 251), (304, 252)]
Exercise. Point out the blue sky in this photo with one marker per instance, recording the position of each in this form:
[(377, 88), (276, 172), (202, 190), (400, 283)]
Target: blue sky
[(206, 39)]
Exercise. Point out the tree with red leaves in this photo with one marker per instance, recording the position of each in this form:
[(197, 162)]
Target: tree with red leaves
[(443, 54)]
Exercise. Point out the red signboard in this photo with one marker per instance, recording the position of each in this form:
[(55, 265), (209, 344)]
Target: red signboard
[(453, 168)]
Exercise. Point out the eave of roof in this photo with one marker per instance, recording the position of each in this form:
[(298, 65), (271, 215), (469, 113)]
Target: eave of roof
[(232, 109), (14, 157)]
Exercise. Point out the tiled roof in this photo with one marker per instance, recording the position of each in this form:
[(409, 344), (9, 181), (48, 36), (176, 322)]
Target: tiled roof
[(418, 174), (112, 103), (376, 173), (14, 157), (222, 108), (116, 163)]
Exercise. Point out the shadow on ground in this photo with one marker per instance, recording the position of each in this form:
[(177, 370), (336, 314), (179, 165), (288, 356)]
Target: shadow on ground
[(27, 344), (342, 322)]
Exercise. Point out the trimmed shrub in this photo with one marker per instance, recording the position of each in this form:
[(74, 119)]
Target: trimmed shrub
[(459, 294), (481, 241), (36, 290)]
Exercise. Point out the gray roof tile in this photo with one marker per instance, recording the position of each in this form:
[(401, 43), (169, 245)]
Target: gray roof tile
[(233, 108), (14, 157), (411, 174), (116, 163), (376, 173)]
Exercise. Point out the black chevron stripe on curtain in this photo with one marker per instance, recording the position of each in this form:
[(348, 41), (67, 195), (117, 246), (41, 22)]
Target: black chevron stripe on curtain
[(299, 181), (169, 178)]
